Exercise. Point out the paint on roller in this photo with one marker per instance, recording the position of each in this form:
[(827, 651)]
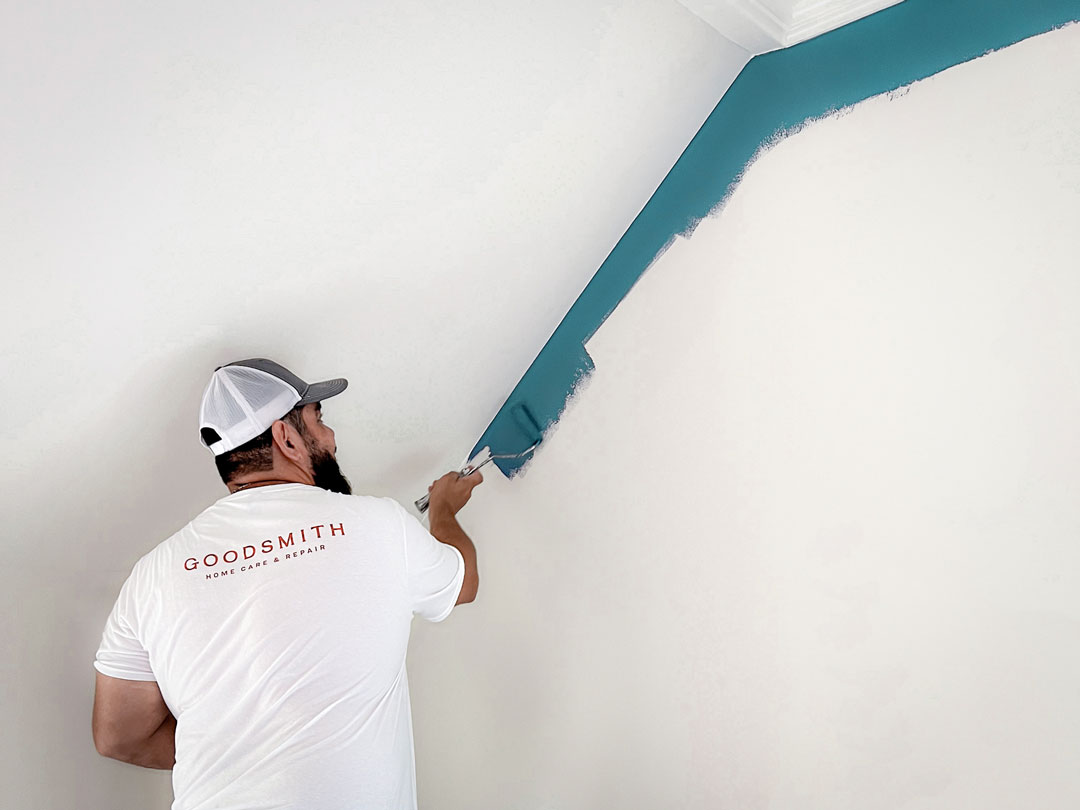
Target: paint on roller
[(776, 92), (527, 425)]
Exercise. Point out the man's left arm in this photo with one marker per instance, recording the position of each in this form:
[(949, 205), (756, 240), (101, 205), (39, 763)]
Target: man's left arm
[(133, 724)]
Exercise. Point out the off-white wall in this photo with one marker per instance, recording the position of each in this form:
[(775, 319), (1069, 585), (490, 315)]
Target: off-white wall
[(410, 195), (808, 537)]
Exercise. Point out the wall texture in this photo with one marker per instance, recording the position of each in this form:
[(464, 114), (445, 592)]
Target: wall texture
[(806, 538), (410, 195)]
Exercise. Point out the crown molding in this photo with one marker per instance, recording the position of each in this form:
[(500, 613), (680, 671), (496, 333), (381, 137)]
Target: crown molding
[(760, 26), (812, 18)]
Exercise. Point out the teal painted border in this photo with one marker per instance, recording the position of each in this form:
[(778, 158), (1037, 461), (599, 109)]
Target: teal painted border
[(774, 92)]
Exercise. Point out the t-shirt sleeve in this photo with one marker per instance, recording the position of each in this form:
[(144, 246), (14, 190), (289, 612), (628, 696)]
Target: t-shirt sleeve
[(435, 570), (121, 654)]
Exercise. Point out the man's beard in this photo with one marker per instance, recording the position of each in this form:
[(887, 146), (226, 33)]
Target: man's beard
[(327, 473)]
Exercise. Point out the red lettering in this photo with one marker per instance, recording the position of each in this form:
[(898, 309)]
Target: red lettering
[(225, 556), (282, 542), (206, 560), (252, 554), (316, 530), (190, 564), (334, 531), (303, 539), (267, 546)]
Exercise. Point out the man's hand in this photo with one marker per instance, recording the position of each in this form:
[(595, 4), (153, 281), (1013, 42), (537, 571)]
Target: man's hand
[(449, 494)]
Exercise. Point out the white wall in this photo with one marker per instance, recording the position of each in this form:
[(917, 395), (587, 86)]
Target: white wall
[(410, 195), (808, 537)]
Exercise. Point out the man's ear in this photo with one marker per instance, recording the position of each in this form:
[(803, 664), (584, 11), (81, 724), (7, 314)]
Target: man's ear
[(288, 442)]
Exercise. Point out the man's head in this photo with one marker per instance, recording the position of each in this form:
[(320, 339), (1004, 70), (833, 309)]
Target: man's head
[(299, 439), (261, 421)]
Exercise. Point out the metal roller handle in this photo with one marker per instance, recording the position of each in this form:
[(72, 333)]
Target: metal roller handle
[(469, 469)]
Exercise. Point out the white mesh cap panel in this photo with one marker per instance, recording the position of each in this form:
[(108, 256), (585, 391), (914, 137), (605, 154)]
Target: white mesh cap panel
[(241, 402), (228, 410)]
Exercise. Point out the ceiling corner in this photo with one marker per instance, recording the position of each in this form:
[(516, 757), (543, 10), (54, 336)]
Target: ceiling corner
[(760, 26)]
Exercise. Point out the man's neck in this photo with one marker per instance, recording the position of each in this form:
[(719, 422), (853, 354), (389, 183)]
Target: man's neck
[(243, 484)]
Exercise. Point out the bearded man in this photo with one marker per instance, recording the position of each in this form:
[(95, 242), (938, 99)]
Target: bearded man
[(259, 652)]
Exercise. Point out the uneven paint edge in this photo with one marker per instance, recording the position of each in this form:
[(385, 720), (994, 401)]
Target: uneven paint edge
[(774, 93)]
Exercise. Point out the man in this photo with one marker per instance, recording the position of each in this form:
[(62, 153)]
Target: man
[(259, 652)]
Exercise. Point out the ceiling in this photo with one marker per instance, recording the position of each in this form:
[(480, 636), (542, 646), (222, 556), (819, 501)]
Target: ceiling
[(410, 195)]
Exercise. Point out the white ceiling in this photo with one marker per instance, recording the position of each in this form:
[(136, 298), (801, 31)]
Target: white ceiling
[(410, 195)]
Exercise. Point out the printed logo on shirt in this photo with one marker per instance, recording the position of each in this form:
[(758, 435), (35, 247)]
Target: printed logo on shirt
[(291, 546)]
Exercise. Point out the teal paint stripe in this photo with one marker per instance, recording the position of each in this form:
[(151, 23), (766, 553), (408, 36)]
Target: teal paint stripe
[(774, 92)]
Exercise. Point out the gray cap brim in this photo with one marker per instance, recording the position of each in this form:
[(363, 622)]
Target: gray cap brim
[(316, 392)]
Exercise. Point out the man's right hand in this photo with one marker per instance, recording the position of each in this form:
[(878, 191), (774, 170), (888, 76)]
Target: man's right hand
[(451, 492)]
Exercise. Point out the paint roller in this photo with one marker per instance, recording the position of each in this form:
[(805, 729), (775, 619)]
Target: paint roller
[(528, 425)]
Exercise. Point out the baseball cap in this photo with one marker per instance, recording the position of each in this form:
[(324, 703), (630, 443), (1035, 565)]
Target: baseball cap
[(246, 397)]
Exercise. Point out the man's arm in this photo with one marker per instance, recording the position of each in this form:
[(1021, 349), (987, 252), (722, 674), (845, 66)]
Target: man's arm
[(445, 529), (132, 723), (446, 497)]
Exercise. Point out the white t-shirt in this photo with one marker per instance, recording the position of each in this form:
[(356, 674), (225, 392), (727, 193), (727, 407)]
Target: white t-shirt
[(276, 625)]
